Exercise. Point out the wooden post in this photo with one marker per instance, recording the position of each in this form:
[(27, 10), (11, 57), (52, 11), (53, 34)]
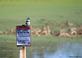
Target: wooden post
[(22, 52)]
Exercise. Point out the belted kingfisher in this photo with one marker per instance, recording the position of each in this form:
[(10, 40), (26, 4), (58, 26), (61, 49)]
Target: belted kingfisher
[(28, 21)]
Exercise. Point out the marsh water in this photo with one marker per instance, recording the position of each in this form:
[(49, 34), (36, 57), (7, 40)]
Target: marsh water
[(64, 50)]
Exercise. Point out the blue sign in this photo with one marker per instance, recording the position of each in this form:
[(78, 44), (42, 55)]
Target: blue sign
[(23, 36)]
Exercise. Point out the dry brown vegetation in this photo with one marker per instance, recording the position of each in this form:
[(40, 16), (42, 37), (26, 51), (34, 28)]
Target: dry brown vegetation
[(45, 30), (68, 30)]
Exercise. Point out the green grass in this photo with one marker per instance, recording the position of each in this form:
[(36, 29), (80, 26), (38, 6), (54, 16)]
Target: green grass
[(39, 41), (12, 16), (14, 12), (8, 47)]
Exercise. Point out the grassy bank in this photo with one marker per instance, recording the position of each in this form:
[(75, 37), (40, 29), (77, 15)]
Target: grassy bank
[(15, 12), (40, 41)]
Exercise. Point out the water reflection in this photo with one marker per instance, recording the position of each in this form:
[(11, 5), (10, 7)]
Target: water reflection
[(37, 53), (66, 50)]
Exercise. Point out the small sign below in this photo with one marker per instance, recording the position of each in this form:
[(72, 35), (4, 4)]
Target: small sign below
[(23, 36)]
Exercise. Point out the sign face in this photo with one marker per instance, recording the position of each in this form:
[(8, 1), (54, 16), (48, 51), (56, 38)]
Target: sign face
[(23, 36)]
